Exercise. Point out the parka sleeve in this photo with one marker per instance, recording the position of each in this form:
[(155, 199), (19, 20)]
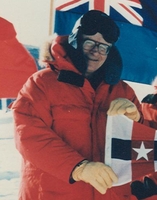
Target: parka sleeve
[(35, 139)]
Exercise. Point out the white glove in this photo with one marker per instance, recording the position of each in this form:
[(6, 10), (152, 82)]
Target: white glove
[(97, 174), (122, 106)]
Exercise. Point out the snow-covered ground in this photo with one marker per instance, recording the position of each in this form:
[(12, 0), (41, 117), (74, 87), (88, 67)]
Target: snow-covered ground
[(10, 159)]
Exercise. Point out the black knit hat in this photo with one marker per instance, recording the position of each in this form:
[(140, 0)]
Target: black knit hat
[(92, 22)]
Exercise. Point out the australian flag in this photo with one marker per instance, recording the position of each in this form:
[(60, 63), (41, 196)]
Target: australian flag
[(130, 149), (137, 20)]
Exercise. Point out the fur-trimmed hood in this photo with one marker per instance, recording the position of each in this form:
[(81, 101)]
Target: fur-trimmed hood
[(57, 51), (45, 54)]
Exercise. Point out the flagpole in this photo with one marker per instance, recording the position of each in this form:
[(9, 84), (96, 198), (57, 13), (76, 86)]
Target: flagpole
[(51, 17)]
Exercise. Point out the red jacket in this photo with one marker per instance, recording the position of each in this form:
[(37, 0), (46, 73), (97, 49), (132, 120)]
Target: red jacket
[(57, 125), (16, 63)]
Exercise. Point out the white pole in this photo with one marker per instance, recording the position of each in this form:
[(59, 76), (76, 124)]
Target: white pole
[(4, 103), (51, 17)]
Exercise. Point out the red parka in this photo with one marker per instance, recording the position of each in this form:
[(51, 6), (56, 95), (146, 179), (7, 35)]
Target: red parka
[(16, 63), (150, 114), (59, 124)]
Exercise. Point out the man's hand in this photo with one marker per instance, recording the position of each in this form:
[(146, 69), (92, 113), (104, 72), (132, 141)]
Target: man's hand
[(122, 106), (97, 174)]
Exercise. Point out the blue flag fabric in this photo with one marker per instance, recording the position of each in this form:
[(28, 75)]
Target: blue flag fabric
[(137, 20)]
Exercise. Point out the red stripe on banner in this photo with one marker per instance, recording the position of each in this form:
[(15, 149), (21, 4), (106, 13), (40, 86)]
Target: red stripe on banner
[(141, 22), (142, 150), (67, 4), (136, 1), (142, 132), (140, 169), (99, 5)]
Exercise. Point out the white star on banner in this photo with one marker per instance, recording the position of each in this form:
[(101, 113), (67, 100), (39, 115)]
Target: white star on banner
[(142, 152)]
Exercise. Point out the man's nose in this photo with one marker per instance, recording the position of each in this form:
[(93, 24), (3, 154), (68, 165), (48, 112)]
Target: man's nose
[(95, 49)]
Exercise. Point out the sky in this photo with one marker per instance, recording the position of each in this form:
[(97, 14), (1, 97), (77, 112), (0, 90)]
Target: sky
[(29, 17)]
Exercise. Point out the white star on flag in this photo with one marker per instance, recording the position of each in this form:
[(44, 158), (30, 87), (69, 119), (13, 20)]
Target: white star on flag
[(142, 152)]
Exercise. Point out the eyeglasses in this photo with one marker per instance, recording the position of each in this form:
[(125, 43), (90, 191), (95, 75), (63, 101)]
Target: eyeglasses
[(103, 49)]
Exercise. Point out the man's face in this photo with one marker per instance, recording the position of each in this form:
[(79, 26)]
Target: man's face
[(96, 55)]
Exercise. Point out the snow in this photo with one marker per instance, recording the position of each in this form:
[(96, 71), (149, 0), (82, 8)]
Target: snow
[(10, 159)]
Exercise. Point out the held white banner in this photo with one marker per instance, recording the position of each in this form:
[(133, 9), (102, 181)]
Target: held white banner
[(130, 148)]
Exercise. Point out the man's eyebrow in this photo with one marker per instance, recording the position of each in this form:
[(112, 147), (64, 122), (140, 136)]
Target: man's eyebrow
[(87, 38)]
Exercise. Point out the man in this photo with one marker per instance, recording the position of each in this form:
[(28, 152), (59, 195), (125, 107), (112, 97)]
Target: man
[(60, 115)]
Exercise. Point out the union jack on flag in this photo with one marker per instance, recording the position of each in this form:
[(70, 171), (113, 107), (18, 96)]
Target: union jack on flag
[(125, 7), (137, 20)]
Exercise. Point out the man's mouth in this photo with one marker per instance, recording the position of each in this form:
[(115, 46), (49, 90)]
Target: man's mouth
[(92, 59)]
